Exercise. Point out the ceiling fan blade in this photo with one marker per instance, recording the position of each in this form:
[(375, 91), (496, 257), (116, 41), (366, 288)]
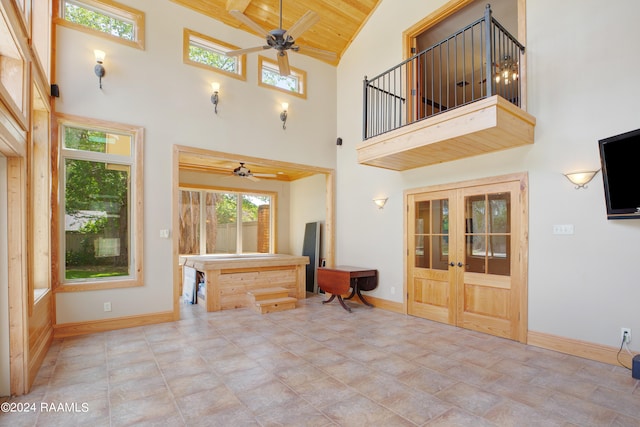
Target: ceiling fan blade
[(239, 52), (252, 178), (319, 53), (265, 175), (249, 23), (283, 63), (303, 24)]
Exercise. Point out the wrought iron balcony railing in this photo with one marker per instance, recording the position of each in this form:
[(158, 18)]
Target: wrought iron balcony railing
[(478, 61)]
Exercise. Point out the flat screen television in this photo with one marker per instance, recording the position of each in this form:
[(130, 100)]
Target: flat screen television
[(620, 160)]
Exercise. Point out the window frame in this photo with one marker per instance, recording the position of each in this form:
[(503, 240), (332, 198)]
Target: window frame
[(191, 35), (136, 196), (111, 8), (239, 192), (301, 75)]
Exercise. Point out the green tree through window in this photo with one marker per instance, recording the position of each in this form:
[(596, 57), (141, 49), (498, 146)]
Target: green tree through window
[(96, 202), (213, 58), (90, 18)]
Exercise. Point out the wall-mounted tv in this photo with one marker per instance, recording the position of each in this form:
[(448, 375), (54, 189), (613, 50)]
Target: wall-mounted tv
[(620, 159)]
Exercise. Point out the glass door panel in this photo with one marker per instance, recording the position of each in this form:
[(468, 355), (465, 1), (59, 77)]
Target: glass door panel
[(487, 233)]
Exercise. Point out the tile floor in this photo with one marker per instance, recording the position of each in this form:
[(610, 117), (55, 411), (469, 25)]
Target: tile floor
[(319, 366)]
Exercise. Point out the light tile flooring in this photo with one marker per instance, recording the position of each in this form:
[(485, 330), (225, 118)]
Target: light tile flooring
[(318, 365)]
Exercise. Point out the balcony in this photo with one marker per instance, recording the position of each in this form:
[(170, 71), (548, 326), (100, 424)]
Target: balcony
[(456, 99)]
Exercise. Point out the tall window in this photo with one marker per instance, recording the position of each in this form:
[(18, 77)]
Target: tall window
[(269, 76), (100, 208), (104, 18), (209, 53), (213, 222)]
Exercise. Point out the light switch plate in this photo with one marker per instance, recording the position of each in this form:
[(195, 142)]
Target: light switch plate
[(563, 229)]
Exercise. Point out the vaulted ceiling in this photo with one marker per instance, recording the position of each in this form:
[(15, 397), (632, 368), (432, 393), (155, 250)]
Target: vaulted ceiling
[(340, 20)]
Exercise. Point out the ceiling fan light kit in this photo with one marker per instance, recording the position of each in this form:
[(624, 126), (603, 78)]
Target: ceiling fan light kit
[(282, 40), (243, 172)]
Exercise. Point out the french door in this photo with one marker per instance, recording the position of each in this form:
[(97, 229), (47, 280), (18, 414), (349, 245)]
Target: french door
[(467, 255)]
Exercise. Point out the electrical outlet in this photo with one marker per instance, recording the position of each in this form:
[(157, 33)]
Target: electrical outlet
[(107, 306), (392, 291), (625, 335)]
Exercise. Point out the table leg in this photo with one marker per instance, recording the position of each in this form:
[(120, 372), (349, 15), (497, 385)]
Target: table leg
[(330, 299), (353, 291), (339, 300), (343, 304), (362, 298)]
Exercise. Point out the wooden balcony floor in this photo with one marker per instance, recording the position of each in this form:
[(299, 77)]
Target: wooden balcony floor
[(485, 126)]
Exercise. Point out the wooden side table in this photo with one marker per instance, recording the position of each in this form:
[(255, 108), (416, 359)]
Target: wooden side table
[(338, 280)]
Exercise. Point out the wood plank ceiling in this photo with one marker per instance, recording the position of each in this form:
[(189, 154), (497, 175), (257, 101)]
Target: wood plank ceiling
[(340, 20)]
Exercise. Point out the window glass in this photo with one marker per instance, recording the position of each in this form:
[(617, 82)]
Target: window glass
[(104, 18), (99, 180), (233, 222), (204, 51), (189, 222), (97, 200), (95, 19), (294, 84), (211, 56)]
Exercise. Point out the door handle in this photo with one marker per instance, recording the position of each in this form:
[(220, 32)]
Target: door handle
[(460, 264), (452, 264)]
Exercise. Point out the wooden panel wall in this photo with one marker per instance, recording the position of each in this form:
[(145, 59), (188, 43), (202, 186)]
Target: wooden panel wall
[(30, 322)]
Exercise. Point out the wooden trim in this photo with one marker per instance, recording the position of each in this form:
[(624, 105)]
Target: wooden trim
[(137, 205), (522, 35), (329, 226), (523, 252), (113, 8), (584, 349), (470, 183), (242, 59), (440, 14), (65, 330), (248, 159), (17, 274), (175, 226), (40, 334), (383, 304), (301, 74)]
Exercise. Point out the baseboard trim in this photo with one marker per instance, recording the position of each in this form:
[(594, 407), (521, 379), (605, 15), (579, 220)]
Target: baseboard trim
[(64, 330), (584, 349), (396, 307)]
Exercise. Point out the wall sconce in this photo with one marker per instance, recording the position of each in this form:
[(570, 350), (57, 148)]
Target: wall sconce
[(581, 179), (283, 114), (215, 87), (380, 202), (99, 68)]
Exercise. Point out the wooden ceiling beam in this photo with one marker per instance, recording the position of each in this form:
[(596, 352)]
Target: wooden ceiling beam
[(240, 5)]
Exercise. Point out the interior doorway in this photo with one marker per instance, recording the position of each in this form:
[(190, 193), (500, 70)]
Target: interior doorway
[(467, 249)]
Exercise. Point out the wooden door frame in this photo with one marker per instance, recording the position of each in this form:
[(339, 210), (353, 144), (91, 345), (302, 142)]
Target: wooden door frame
[(521, 240)]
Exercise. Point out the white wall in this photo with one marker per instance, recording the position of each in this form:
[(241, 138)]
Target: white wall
[(154, 89), (5, 379), (580, 78)]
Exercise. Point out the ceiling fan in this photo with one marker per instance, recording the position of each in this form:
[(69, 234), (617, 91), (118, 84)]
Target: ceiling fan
[(244, 172), (282, 40)]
